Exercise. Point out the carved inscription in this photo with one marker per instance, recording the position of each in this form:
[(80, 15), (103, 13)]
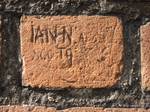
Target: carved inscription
[(71, 51), (42, 55), (60, 37)]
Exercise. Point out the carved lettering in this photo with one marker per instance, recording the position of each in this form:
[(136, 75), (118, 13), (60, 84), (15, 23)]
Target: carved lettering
[(61, 37), (69, 56), (66, 57), (42, 55), (39, 35)]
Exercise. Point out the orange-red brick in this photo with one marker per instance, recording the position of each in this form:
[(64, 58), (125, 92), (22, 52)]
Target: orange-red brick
[(71, 51), (145, 56), (78, 109), (26, 109), (92, 109)]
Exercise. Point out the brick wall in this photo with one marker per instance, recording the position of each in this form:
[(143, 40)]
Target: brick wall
[(74, 56)]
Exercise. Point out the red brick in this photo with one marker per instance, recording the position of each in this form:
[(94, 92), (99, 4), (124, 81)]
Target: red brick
[(145, 56), (92, 109), (26, 109), (71, 51), (77, 109)]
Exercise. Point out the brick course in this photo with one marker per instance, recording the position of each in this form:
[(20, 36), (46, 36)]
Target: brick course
[(77, 109), (74, 56)]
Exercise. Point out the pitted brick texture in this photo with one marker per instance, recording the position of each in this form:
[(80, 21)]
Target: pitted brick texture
[(71, 51), (92, 109), (145, 56), (79, 109), (25, 109)]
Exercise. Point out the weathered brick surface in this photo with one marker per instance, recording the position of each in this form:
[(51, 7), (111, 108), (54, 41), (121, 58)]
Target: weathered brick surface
[(25, 109), (79, 109), (71, 51), (92, 109), (145, 56)]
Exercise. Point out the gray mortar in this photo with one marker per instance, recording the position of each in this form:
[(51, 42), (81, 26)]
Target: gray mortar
[(126, 93)]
